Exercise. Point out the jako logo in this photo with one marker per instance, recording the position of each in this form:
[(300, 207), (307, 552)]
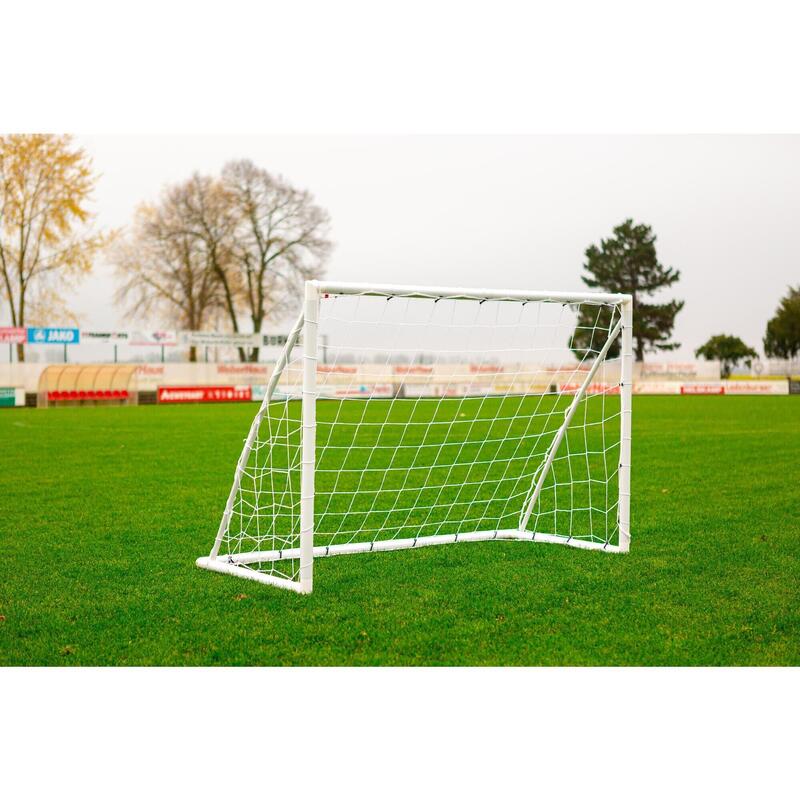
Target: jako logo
[(62, 337)]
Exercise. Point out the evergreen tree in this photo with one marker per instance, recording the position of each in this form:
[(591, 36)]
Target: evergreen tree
[(627, 263), (782, 339)]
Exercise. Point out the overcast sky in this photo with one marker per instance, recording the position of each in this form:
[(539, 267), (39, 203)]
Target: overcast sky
[(508, 212)]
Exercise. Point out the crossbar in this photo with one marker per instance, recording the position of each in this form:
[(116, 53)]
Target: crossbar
[(461, 293)]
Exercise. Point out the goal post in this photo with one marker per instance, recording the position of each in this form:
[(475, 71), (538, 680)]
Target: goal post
[(411, 416)]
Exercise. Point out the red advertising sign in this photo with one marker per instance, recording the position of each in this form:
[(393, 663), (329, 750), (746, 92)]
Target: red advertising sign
[(13, 335), (204, 394), (702, 388)]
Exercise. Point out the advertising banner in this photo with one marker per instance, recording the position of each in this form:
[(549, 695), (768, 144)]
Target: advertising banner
[(486, 368), (273, 339), (757, 387), (13, 335), (691, 371), (204, 394), (702, 388), (54, 336), (243, 372), (593, 388), (657, 387), (214, 339), (144, 338), (113, 337), (11, 396), (362, 391)]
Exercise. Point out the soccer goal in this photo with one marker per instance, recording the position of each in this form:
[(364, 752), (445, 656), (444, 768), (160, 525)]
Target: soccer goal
[(405, 416)]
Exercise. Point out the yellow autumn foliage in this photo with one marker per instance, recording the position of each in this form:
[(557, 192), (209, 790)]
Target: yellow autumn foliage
[(46, 241)]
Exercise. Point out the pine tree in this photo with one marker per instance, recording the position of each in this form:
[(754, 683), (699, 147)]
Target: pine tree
[(627, 262), (782, 339)]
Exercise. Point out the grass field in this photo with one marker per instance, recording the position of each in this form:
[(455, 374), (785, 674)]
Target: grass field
[(103, 512)]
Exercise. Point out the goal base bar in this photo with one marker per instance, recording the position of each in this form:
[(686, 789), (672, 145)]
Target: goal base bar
[(228, 563), (224, 566)]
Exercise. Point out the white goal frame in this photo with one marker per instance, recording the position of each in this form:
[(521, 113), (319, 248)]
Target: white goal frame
[(306, 324)]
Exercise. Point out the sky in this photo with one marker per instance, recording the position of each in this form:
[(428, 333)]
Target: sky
[(506, 211)]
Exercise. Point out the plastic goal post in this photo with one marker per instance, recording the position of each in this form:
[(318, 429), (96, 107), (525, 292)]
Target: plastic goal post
[(406, 416)]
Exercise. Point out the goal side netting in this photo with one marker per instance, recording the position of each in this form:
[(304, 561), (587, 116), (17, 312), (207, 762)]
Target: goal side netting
[(400, 417)]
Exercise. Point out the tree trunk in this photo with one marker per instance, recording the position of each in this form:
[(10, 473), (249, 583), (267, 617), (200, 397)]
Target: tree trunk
[(229, 304), (20, 322), (192, 354)]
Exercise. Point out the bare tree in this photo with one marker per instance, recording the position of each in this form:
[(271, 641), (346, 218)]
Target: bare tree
[(240, 246), (45, 187), (208, 215), (170, 262), (281, 241)]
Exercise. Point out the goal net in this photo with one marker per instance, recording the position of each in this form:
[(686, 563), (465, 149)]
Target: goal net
[(400, 417)]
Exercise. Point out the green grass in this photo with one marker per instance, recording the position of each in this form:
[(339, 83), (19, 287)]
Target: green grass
[(408, 468), (103, 511)]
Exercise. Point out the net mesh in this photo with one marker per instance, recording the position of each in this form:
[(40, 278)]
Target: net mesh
[(435, 416)]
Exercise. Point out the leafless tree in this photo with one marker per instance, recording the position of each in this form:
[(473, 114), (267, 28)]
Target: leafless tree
[(281, 241), (171, 261), (236, 247)]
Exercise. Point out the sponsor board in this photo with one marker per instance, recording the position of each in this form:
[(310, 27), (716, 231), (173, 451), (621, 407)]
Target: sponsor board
[(113, 337), (657, 387), (409, 369), (151, 376), (674, 371), (243, 370), (150, 370), (486, 368), (702, 388), (757, 387), (54, 336), (144, 338), (203, 394), (13, 335), (11, 396), (593, 388), (273, 339), (435, 390), (214, 339), (336, 369), (361, 391), (467, 390)]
